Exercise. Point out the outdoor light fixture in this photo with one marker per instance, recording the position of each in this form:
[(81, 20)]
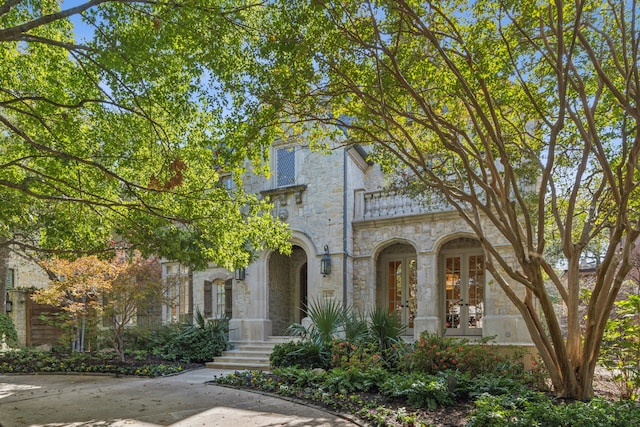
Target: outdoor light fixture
[(241, 273), (8, 306), (325, 262)]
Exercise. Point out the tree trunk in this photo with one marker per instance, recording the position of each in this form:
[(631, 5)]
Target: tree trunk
[(4, 270), (118, 336)]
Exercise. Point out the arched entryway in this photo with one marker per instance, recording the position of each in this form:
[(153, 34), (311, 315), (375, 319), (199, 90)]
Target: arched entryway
[(287, 289), (396, 282), (462, 281)]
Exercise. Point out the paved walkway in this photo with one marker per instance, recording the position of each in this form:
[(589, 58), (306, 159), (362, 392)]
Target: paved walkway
[(182, 400)]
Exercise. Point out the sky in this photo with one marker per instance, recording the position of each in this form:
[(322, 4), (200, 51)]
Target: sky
[(81, 29)]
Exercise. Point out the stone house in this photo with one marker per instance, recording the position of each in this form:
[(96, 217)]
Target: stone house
[(384, 249)]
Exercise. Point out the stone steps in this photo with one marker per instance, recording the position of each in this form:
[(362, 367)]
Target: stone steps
[(247, 355)]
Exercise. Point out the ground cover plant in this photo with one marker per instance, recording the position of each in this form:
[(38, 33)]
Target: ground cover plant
[(436, 381), (153, 350), (38, 361)]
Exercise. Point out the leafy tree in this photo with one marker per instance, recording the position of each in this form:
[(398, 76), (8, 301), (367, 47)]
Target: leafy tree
[(77, 288), (523, 116), (116, 125), (89, 289), (137, 287)]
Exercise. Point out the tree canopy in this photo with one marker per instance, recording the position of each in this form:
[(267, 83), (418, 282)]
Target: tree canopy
[(91, 291), (523, 115), (118, 136)]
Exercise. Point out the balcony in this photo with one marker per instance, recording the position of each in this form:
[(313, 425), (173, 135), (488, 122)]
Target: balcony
[(392, 204)]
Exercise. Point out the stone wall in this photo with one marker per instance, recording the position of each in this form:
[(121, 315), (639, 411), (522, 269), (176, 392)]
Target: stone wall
[(27, 273), (321, 208), (427, 234)]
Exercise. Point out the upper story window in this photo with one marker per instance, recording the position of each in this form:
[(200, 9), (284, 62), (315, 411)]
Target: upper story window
[(226, 181), (285, 167)]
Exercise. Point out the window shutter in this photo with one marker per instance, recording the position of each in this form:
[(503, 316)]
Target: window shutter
[(228, 299), (208, 299), (10, 278)]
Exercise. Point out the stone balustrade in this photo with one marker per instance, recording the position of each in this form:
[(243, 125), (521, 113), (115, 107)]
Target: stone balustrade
[(390, 204)]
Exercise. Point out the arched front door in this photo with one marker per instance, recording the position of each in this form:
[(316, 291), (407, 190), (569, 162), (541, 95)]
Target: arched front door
[(463, 279), (397, 283)]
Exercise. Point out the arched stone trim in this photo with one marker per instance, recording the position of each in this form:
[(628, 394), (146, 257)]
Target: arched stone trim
[(377, 250), (297, 239), (443, 240), (301, 239)]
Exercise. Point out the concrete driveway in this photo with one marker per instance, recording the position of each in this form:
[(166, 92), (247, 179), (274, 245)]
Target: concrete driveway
[(182, 400)]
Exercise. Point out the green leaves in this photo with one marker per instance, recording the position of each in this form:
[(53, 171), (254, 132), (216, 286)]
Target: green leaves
[(120, 138)]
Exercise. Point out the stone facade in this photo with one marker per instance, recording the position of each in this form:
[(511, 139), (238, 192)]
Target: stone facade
[(24, 274), (419, 259)]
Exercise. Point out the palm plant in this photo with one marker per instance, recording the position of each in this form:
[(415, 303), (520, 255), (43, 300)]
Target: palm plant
[(327, 322), (385, 329), (355, 326)]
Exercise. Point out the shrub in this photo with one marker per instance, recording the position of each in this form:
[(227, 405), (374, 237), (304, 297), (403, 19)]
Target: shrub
[(537, 409), (418, 389), (358, 355), (198, 340), (356, 328), (300, 354), (343, 381), (301, 377), (8, 330), (466, 386), (149, 337), (327, 321), (433, 353), (352, 340), (385, 330), (621, 352), (33, 361)]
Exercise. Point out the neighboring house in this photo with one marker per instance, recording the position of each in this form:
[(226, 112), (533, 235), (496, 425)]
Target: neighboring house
[(587, 277), (23, 276), (384, 249)]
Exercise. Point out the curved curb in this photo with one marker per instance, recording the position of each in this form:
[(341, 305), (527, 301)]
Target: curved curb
[(349, 417)]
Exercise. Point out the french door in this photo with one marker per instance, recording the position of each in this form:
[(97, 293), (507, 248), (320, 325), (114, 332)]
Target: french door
[(464, 277), (401, 278)]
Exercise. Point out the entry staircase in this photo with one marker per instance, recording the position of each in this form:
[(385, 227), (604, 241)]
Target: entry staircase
[(247, 355)]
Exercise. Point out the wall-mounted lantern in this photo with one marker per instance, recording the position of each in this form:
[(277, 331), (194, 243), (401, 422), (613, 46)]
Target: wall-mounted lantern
[(240, 274), (325, 262), (8, 306)]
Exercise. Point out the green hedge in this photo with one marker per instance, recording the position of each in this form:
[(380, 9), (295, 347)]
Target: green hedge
[(300, 354), (8, 329)]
